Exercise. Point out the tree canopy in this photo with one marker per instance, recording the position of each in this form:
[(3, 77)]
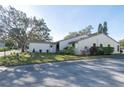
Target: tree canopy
[(121, 42), (100, 28), (103, 28), (85, 31), (21, 29)]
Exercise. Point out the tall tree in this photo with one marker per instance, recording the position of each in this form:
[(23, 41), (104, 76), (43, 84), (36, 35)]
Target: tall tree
[(16, 25), (85, 31), (121, 42), (71, 35), (100, 28), (105, 29)]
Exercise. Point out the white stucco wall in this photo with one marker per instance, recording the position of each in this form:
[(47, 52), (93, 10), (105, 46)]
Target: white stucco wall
[(98, 39), (65, 43), (42, 46)]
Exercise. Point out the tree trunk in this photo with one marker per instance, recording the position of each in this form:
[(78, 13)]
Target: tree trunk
[(23, 48)]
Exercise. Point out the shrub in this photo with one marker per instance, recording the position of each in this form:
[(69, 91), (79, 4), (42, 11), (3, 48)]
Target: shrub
[(4, 49), (101, 50), (69, 50), (108, 50), (121, 51)]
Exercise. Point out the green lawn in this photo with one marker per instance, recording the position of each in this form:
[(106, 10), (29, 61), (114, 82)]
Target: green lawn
[(36, 58), (26, 58)]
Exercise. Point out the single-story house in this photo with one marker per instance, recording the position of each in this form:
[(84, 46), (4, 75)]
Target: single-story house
[(79, 42), (43, 47)]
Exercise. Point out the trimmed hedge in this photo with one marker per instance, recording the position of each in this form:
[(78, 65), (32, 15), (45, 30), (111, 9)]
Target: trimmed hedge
[(4, 49)]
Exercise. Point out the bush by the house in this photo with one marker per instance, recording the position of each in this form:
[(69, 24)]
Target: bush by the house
[(121, 51), (4, 49), (101, 50), (105, 50), (69, 50), (108, 50)]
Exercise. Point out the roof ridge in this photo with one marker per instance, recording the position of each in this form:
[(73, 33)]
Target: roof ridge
[(95, 34), (91, 35)]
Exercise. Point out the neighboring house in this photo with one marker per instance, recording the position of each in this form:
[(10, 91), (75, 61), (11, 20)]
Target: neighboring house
[(2, 44), (79, 42), (43, 47)]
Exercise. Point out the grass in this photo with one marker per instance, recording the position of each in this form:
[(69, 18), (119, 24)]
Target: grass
[(37, 58)]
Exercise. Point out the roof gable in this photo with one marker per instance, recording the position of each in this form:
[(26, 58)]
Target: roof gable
[(92, 35)]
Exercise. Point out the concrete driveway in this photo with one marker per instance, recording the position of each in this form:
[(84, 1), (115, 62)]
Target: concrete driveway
[(106, 72)]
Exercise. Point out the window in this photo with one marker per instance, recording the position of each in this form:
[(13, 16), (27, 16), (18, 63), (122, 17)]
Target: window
[(33, 50), (40, 50), (73, 44), (94, 44), (118, 48), (108, 45), (51, 46), (57, 46), (101, 45), (47, 51), (85, 47)]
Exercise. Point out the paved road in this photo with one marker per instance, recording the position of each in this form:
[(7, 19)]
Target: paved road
[(105, 72)]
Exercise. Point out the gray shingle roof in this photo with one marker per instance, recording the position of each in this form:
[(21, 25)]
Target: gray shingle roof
[(92, 35), (40, 41)]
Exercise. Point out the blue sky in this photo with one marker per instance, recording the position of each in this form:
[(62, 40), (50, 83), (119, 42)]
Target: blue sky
[(64, 19)]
